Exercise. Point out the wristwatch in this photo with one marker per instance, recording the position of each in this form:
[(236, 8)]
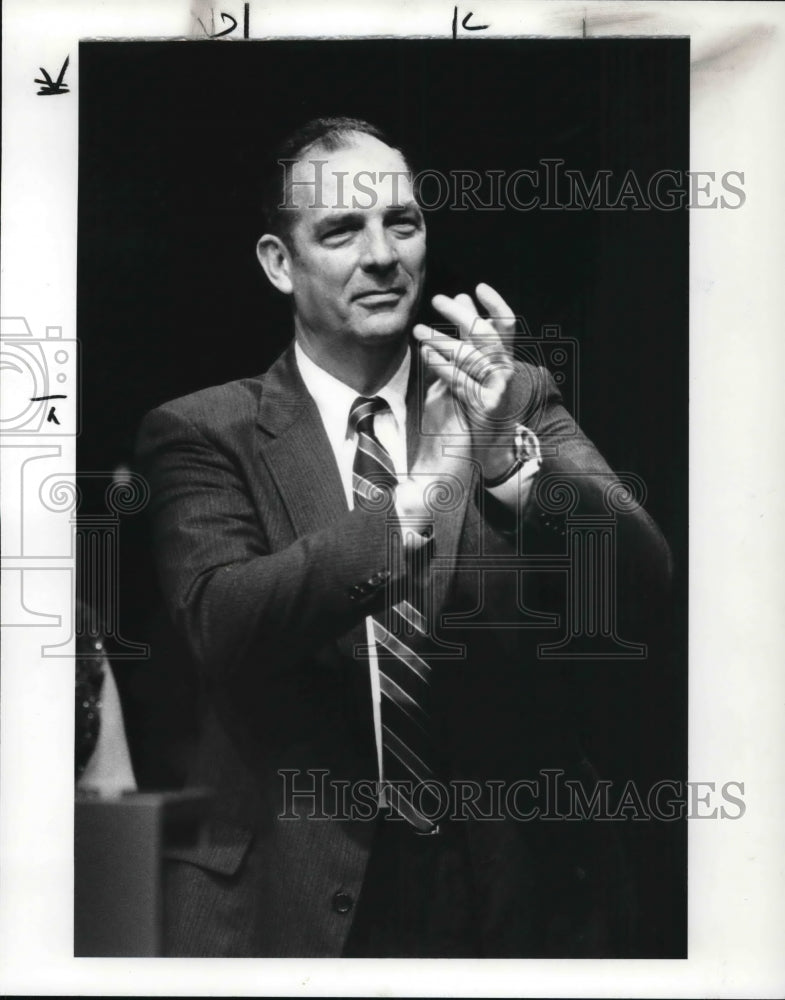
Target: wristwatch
[(526, 447)]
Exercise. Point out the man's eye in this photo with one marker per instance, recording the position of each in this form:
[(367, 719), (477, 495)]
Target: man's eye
[(337, 235), (405, 226)]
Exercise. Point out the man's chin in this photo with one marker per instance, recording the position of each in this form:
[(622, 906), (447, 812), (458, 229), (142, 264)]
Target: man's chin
[(383, 330)]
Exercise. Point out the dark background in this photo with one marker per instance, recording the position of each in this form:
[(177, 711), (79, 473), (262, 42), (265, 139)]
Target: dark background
[(172, 299)]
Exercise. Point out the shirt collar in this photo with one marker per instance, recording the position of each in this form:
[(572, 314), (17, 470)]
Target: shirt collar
[(334, 398)]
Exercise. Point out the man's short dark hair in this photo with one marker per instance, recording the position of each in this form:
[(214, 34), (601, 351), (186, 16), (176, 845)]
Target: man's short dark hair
[(327, 134)]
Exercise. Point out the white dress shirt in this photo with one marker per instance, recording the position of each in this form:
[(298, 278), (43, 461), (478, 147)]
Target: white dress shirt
[(334, 401)]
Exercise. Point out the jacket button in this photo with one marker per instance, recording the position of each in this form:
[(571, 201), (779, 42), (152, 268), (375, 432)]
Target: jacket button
[(342, 902)]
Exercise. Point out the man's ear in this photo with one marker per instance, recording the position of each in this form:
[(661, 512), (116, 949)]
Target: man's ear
[(275, 258)]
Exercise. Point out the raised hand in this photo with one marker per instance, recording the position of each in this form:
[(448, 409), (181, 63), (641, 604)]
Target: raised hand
[(477, 372)]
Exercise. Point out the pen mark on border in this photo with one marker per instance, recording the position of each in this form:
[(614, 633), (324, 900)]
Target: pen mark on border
[(226, 31), (50, 87), (51, 417), (465, 23)]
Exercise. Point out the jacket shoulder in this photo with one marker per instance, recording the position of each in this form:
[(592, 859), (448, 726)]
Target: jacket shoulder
[(215, 407)]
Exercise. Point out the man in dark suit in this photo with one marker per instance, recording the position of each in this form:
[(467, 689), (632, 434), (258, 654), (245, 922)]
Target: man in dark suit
[(332, 538)]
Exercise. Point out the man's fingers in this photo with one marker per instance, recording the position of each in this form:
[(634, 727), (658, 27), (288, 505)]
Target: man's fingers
[(493, 302), (479, 365), (462, 313), (460, 353), (478, 400), (477, 380), (455, 381), (467, 302), (499, 313)]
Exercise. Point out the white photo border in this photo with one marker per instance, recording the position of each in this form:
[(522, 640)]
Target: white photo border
[(737, 690)]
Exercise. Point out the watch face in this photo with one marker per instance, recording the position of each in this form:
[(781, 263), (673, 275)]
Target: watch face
[(527, 444)]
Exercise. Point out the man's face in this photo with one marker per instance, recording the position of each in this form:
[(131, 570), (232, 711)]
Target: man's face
[(357, 263)]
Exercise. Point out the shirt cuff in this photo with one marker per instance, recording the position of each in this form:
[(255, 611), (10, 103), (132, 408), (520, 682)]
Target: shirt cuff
[(415, 530)]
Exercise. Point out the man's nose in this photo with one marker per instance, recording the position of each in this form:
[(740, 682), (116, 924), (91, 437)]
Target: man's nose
[(378, 250)]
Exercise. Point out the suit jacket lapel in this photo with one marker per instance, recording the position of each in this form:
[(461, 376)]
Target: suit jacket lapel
[(298, 452), (300, 459)]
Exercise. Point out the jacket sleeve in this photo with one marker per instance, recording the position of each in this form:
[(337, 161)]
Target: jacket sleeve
[(232, 597), (576, 480)]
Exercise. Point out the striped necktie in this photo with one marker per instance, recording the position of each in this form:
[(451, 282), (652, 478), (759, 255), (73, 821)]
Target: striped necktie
[(404, 676)]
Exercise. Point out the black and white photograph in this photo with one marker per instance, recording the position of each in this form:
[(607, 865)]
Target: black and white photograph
[(377, 456), (547, 586)]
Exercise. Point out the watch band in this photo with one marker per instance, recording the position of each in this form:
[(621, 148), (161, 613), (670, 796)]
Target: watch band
[(526, 446)]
